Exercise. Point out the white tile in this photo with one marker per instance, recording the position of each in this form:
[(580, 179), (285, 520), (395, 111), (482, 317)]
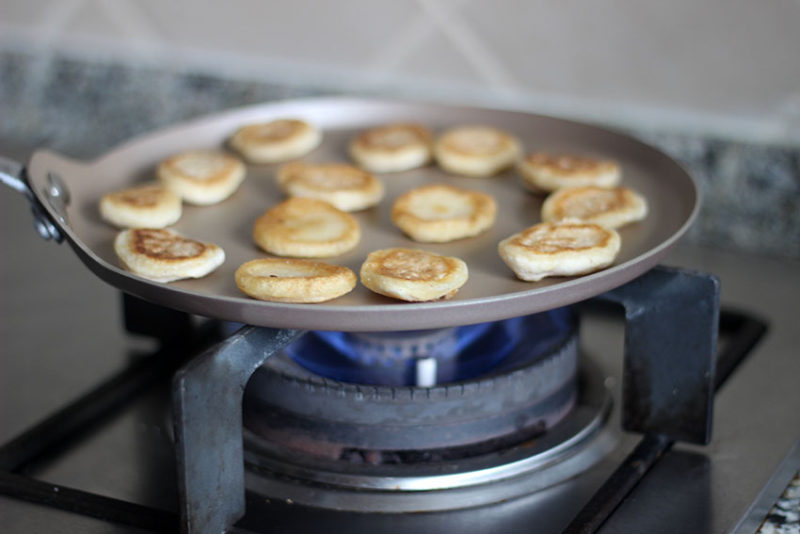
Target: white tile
[(19, 13), (733, 63), (344, 33), (438, 60), (121, 22), (447, 17), (721, 56)]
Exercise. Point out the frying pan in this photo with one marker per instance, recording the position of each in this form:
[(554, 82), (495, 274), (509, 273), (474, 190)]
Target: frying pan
[(65, 193)]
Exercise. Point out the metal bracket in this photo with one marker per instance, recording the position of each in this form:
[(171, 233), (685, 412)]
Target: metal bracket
[(672, 318), (207, 414), (13, 175)]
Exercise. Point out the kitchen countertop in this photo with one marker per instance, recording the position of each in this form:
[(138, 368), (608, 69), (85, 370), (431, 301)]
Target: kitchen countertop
[(784, 517)]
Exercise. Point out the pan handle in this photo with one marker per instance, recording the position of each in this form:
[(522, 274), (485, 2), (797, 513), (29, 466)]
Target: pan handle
[(13, 174)]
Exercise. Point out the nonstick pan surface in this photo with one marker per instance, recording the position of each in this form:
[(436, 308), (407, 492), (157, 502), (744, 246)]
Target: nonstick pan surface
[(492, 291)]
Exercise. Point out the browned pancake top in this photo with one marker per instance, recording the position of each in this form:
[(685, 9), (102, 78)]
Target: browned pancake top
[(408, 264), (165, 245), (547, 238), (144, 196), (476, 141), (394, 137), (568, 165), (327, 176), (277, 130), (587, 202)]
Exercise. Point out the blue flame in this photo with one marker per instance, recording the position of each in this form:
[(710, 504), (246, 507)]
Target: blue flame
[(461, 353)]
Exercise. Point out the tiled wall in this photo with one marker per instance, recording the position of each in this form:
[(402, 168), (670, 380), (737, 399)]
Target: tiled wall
[(728, 67)]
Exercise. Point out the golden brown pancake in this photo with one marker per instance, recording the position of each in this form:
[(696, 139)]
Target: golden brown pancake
[(476, 150), (202, 177), (610, 207), (294, 280), (276, 140), (439, 213), (143, 206), (392, 148), (345, 186), (413, 275), (559, 249), (164, 255), (543, 171), (306, 228)]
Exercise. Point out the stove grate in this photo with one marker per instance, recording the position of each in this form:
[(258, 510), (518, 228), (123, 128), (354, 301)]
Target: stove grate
[(742, 331)]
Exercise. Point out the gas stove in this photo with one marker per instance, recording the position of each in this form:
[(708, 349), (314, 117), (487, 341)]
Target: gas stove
[(524, 433)]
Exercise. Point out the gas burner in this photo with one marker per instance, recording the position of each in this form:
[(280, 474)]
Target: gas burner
[(363, 442), (429, 357), (433, 480)]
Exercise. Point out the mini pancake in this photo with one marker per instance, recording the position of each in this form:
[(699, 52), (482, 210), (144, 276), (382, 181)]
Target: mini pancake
[(202, 177), (559, 249), (476, 150), (306, 228), (609, 207), (294, 280), (392, 148), (439, 213), (275, 141), (542, 171), (164, 255), (345, 186), (144, 206), (413, 275)]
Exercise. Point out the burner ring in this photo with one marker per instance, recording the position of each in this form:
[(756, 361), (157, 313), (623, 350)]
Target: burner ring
[(290, 406), (347, 446), (569, 448)]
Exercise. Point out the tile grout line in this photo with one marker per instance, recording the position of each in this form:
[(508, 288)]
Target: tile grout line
[(397, 53), (468, 44), (135, 24), (419, 31)]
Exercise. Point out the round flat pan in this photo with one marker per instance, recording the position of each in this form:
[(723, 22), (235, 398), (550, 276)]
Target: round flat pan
[(492, 291)]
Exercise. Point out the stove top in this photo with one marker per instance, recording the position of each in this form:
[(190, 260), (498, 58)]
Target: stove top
[(62, 333)]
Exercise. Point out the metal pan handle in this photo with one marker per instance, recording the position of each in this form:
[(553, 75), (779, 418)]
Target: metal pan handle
[(13, 174)]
